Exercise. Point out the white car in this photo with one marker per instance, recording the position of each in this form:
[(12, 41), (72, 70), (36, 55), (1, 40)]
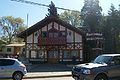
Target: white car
[(12, 68)]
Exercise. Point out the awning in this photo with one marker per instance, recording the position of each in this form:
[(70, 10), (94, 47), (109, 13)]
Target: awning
[(15, 45)]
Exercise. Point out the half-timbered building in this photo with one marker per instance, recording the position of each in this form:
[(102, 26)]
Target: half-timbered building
[(53, 41)]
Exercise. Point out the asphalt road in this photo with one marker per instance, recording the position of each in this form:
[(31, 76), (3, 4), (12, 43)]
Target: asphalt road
[(53, 78)]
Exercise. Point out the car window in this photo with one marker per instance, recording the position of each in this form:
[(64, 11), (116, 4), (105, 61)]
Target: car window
[(6, 62), (102, 59), (116, 60)]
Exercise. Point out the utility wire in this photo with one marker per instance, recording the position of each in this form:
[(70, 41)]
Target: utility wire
[(34, 3)]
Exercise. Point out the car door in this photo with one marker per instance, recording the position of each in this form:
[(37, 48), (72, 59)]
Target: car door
[(8, 68), (1, 71), (2, 68), (114, 68)]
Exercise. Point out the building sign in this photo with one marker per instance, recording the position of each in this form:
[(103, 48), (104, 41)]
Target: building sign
[(95, 40), (94, 36)]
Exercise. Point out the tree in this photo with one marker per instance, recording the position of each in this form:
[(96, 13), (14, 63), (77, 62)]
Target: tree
[(52, 10), (111, 30), (11, 27), (71, 17), (2, 44), (91, 15)]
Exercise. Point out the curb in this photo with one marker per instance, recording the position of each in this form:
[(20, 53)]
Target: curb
[(47, 76)]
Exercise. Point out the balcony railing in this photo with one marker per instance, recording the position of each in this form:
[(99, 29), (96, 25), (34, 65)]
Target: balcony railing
[(52, 41)]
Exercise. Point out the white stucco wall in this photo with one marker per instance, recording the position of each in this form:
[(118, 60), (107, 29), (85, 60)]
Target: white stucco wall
[(29, 39), (78, 37), (69, 36), (36, 34), (44, 28), (62, 28), (55, 25), (49, 26)]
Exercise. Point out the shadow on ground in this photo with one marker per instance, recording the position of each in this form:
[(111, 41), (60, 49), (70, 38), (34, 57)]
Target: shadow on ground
[(48, 67)]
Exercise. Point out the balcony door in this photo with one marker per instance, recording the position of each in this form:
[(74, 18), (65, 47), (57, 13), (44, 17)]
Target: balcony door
[(53, 56)]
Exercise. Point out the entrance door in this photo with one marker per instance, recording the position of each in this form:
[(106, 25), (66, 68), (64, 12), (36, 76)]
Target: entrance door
[(53, 56)]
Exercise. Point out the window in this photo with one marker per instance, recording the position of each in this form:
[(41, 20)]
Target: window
[(74, 53), (44, 34), (33, 54), (62, 33), (69, 33), (116, 60), (5, 62), (67, 54), (8, 49), (51, 35), (41, 54), (55, 35)]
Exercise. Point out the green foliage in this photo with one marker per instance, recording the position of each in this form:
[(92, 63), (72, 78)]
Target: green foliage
[(11, 26), (91, 15), (71, 17), (111, 30), (52, 10)]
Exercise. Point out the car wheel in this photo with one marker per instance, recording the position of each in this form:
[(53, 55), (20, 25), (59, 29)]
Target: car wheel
[(76, 78), (17, 76), (101, 77)]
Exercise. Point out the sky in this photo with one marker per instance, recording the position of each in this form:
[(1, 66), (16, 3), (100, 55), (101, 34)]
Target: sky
[(36, 13)]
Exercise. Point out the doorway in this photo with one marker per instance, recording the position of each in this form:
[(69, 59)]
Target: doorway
[(53, 56)]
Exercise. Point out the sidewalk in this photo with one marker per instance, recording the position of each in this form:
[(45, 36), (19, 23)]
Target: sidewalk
[(46, 74), (48, 70)]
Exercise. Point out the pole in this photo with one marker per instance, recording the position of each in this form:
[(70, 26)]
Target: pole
[(27, 20), (27, 60)]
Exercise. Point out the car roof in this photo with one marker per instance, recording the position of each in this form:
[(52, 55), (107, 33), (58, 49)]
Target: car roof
[(111, 55), (9, 58)]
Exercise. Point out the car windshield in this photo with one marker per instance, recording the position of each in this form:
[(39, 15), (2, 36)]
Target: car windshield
[(102, 59)]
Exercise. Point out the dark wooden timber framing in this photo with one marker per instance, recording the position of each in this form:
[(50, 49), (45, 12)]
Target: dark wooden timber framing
[(57, 48)]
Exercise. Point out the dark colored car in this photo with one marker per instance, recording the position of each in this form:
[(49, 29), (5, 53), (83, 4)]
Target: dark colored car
[(104, 67)]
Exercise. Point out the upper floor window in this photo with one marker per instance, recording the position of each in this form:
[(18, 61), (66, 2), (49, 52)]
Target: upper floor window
[(53, 34), (50, 35), (62, 34), (44, 34)]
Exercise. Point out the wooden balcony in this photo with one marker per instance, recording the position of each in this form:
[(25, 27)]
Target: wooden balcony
[(52, 41)]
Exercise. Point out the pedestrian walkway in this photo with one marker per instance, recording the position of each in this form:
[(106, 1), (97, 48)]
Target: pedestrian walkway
[(47, 74), (48, 70)]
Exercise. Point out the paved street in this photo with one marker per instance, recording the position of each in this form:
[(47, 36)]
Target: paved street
[(48, 72), (53, 78)]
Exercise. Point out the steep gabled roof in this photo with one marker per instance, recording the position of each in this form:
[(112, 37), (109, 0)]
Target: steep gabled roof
[(46, 21)]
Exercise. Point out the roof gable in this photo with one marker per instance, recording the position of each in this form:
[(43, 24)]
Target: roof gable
[(45, 22)]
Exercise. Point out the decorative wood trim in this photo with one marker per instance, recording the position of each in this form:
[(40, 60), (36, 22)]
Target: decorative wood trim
[(58, 27), (78, 45), (52, 24), (47, 27)]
